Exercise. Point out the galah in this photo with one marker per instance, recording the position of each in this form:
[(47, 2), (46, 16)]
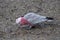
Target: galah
[(30, 19)]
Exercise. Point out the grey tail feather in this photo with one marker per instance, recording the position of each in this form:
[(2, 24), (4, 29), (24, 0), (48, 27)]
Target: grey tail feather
[(49, 18)]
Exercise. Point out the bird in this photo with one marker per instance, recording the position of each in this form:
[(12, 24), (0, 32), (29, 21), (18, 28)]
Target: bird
[(30, 19)]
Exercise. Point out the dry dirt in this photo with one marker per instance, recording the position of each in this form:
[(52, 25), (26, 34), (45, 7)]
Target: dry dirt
[(12, 9)]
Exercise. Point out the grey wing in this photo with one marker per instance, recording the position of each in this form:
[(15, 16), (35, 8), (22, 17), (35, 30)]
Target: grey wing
[(28, 15), (38, 19), (35, 18)]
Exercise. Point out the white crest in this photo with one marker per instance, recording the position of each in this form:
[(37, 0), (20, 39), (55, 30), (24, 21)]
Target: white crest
[(18, 20)]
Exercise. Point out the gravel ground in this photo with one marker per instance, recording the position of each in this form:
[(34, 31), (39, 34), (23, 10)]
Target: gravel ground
[(12, 9)]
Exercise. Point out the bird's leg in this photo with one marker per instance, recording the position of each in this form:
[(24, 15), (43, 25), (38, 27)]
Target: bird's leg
[(28, 27)]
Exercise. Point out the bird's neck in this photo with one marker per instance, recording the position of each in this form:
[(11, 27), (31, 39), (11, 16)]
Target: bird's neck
[(25, 21)]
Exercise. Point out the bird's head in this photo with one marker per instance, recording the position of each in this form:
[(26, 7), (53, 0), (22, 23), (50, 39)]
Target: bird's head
[(21, 21)]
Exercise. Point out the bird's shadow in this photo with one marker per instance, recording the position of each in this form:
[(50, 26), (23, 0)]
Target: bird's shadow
[(44, 25)]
